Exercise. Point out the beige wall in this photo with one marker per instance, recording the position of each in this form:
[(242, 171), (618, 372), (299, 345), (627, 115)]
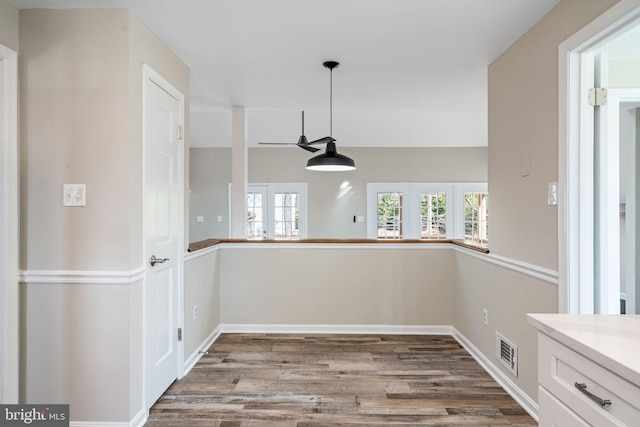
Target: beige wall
[(329, 216), (523, 123), (201, 288), (9, 23), (331, 285), (74, 350), (209, 178), (81, 109), (508, 296), (74, 91)]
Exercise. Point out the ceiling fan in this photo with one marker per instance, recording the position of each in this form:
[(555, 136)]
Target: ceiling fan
[(302, 141)]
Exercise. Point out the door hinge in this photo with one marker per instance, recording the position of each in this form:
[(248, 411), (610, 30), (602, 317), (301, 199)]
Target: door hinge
[(179, 334), (179, 132), (597, 96)]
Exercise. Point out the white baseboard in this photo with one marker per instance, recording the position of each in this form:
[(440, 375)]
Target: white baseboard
[(196, 355), (98, 424), (138, 421), (501, 378), (338, 329)]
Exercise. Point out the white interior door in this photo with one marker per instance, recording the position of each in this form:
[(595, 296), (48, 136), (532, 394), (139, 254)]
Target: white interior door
[(163, 229)]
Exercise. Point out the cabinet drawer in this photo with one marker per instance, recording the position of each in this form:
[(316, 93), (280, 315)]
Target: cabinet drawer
[(560, 368), (553, 413)]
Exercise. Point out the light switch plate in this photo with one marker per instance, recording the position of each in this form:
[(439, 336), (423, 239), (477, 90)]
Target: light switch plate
[(74, 195), (199, 218), (552, 194)]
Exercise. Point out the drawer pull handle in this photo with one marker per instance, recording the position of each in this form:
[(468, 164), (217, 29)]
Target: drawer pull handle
[(583, 388)]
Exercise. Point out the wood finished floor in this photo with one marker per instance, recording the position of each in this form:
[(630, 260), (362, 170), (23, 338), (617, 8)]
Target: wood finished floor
[(250, 380)]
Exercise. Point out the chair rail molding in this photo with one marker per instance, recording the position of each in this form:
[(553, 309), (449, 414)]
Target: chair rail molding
[(76, 277)]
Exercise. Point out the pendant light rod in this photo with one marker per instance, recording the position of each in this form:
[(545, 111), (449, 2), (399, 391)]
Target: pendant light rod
[(331, 65)]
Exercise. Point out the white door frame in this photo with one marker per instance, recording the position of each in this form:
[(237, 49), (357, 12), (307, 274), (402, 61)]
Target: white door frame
[(575, 222), (150, 76), (10, 339)]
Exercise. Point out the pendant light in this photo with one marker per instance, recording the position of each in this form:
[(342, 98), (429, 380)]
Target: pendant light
[(331, 160)]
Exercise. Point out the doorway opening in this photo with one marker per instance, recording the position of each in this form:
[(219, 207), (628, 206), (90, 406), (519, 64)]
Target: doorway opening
[(597, 164)]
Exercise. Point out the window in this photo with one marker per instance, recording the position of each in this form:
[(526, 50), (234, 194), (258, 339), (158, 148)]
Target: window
[(276, 211), (476, 211), (433, 215), (428, 211), (389, 218)]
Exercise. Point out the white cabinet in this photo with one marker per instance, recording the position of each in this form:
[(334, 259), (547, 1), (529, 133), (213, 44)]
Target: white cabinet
[(555, 412), (587, 379)]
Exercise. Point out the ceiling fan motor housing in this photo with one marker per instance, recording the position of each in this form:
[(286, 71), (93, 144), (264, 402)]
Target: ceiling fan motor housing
[(331, 64)]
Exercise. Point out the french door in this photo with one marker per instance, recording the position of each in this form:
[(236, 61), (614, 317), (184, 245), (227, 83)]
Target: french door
[(276, 211)]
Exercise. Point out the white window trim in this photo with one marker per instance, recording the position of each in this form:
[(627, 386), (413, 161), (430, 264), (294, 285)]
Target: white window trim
[(411, 208)]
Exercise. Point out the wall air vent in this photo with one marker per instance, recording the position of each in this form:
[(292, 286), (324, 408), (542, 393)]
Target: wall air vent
[(507, 353)]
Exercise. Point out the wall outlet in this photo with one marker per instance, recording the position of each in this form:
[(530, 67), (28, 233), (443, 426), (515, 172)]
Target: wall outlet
[(195, 312), (485, 316)]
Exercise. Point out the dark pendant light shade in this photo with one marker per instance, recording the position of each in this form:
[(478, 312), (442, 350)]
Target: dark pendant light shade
[(331, 161)]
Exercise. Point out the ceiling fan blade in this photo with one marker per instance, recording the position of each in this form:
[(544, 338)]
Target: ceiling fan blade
[(322, 140), (277, 143), (308, 148)]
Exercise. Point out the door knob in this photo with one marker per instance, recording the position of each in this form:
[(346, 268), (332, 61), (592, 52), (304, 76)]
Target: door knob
[(153, 260)]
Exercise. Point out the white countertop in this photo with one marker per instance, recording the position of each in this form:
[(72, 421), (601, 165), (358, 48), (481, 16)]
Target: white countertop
[(612, 341)]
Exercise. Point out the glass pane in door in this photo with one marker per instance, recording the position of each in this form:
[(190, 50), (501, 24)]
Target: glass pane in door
[(286, 216), (255, 216)]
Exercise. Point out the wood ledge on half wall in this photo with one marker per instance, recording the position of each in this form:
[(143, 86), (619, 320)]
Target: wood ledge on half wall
[(203, 244)]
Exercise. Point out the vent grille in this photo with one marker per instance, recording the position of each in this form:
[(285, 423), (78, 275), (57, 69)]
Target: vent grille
[(507, 353)]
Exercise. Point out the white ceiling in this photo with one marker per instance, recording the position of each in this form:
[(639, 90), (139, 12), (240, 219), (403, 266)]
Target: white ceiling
[(412, 73)]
